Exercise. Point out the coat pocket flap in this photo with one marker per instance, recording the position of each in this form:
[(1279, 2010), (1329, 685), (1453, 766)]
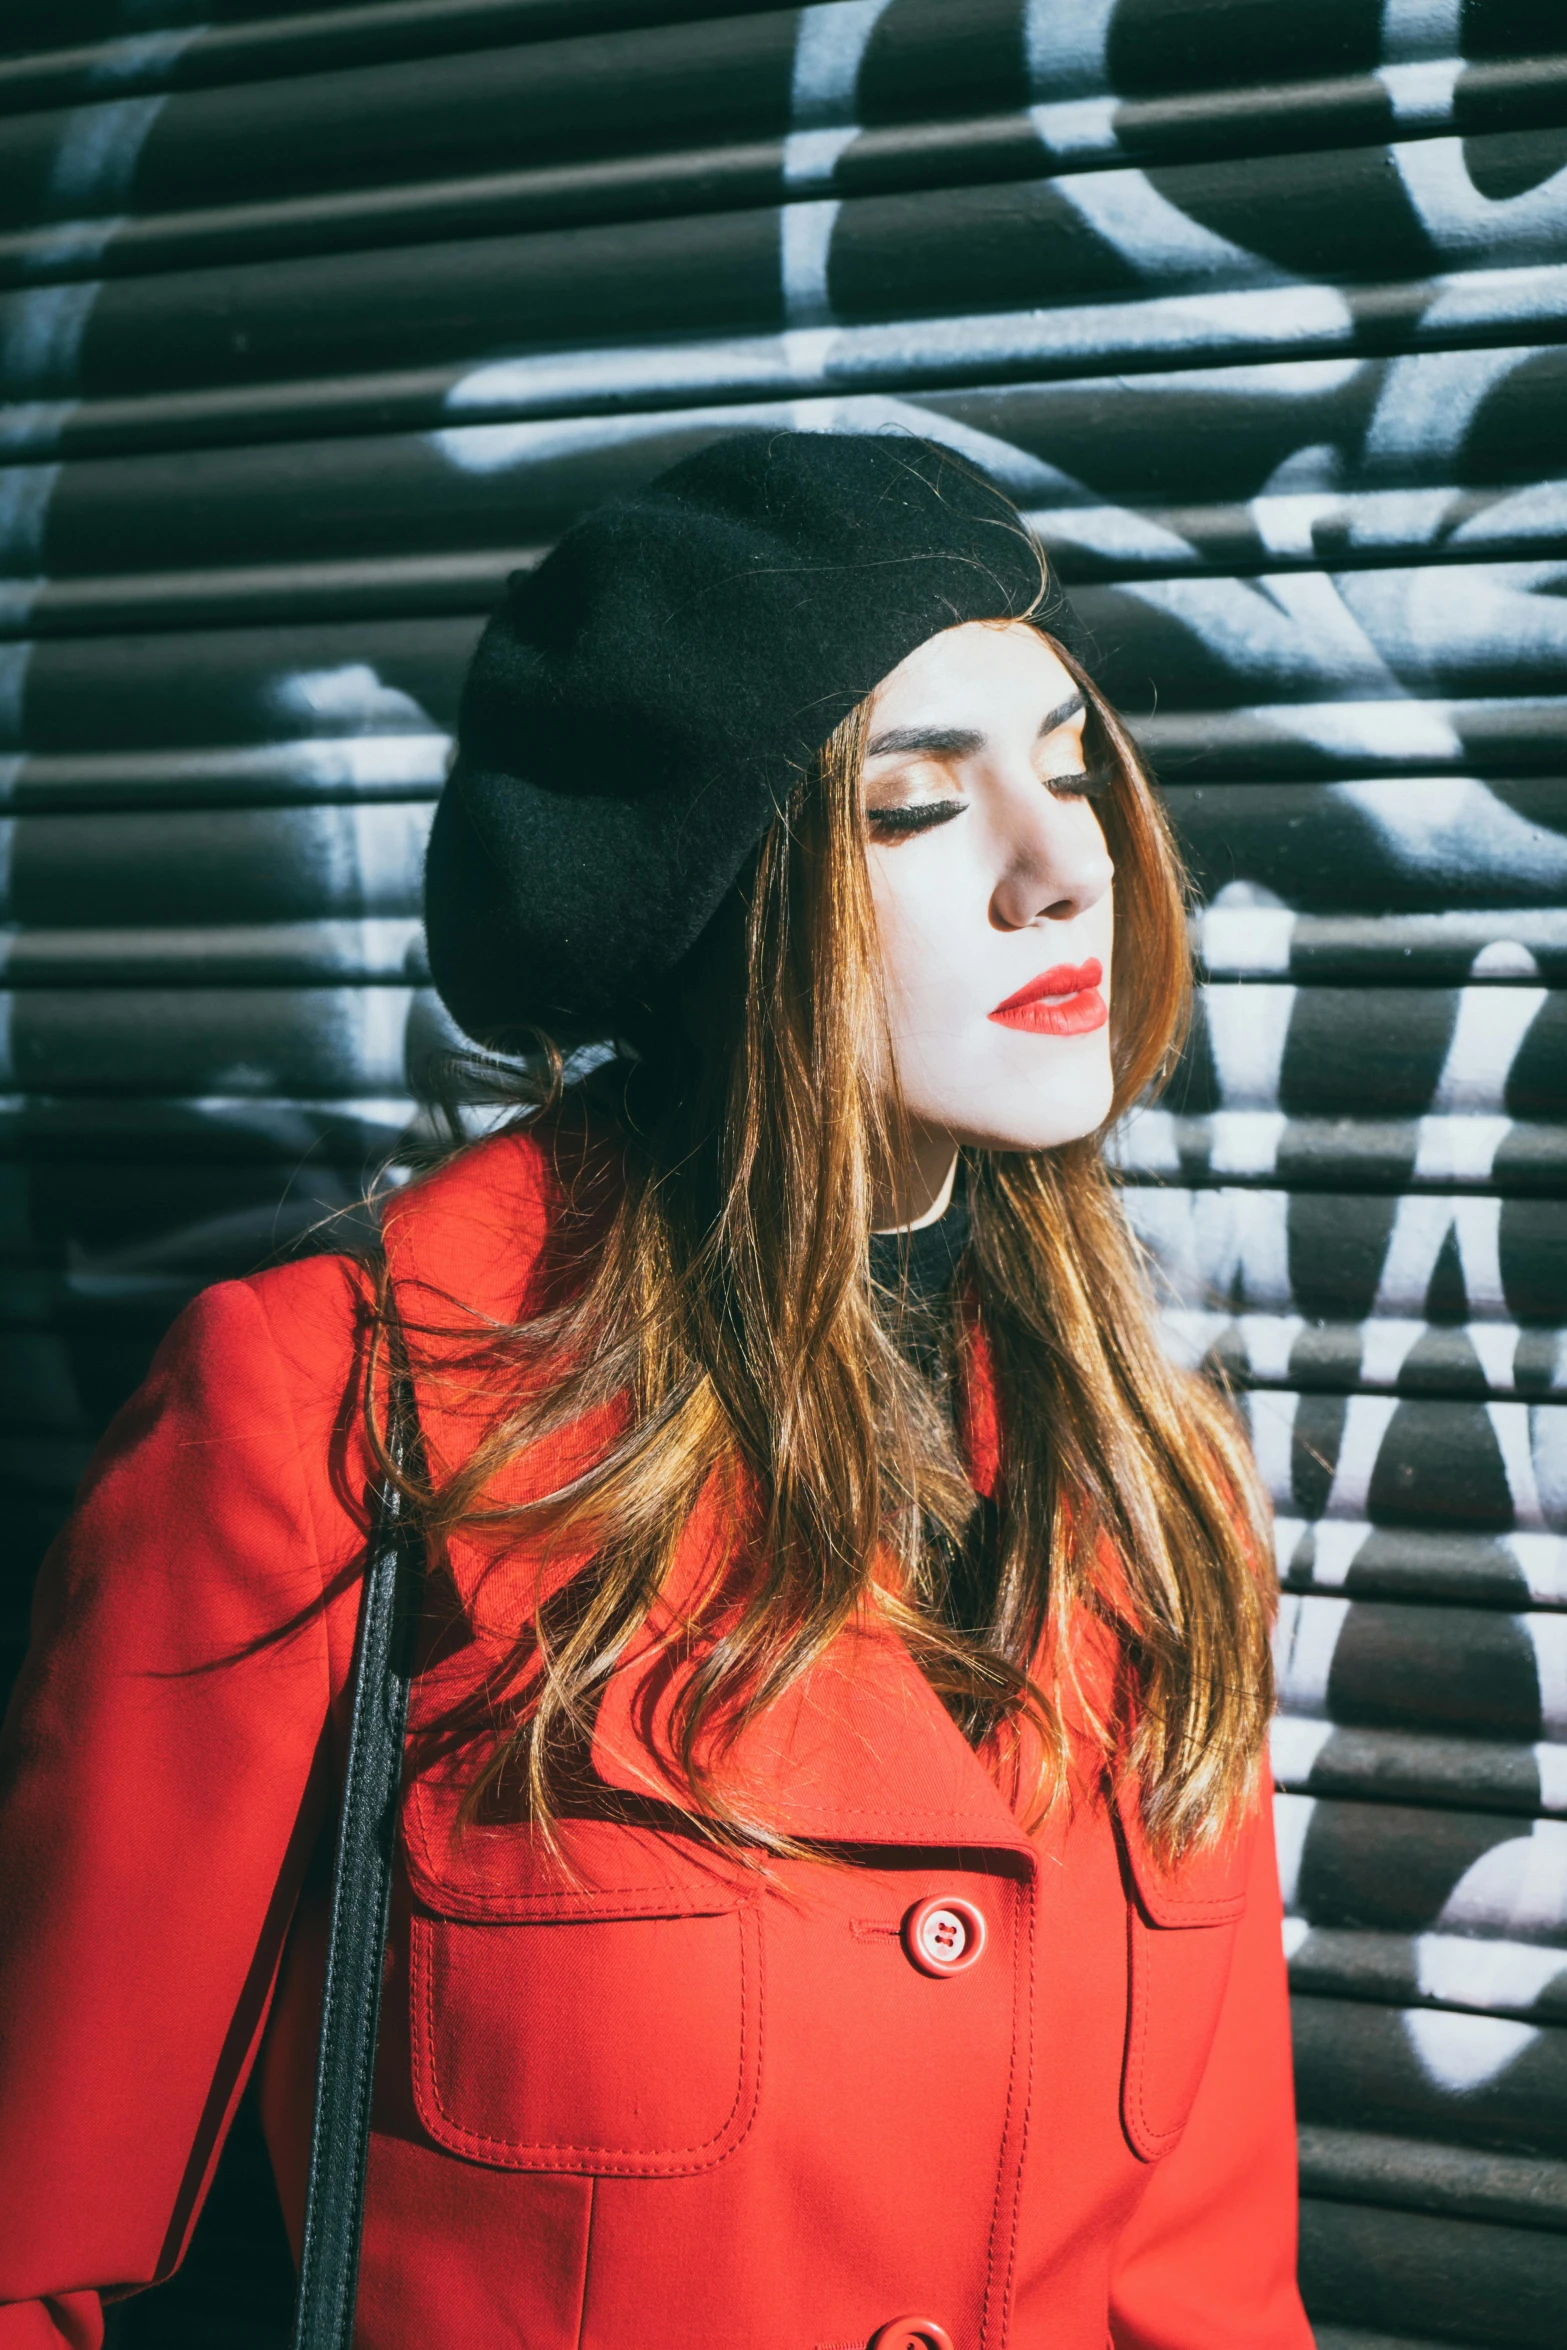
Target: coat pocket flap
[(604, 1868), (1205, 1888)]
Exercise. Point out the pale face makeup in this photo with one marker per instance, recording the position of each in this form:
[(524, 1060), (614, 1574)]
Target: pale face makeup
[(992, 887)]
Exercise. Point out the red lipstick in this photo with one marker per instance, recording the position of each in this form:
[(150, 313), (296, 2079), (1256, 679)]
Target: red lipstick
[(1063, 1001)]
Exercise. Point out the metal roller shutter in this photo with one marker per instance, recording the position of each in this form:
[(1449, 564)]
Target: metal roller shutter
[(314, 324)]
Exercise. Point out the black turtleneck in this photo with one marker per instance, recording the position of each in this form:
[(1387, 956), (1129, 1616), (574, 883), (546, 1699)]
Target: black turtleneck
[(916, 1274)]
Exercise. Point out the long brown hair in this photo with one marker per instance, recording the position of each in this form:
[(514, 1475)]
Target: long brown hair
[(725, 1326)]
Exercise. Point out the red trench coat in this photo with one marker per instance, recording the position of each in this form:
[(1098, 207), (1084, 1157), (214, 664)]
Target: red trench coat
[(667, 2107)]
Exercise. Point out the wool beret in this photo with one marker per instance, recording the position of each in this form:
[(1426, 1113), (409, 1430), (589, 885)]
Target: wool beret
[(642, 704)]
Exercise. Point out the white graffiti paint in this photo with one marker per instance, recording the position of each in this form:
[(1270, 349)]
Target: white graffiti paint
[(1490, 1030), (141, 57), (1305, 1638), (1474, 299), (1024, 476), (1496, 1348), (1294, 1744), (1155, 237), (1481, 1972), (99, 148), (1295, 1933), (1118, 534), (1458, 1150), (830, 44), (41, 334), (1505, 958), (1245, 1142), (1517, 1888), (1249, 939), (1266, 1341), (1422, 92), (1427, 403), (1385, 1347), (1541, 1560), (1421, 28), (1510, 616), (1367, 1419), (1292, 629), (1458, 217), (1291, 1822), (368, 854), (1421, 50), (1064, 44), (352, 697), (805, 246), (1301, 491), (1511, 1427), (25, 495), (15, 662), (1394, 730), (1538, 512), (1073, 129), (1335, 1548), (809, 160), (1460, 2053), (1421, 1225), (495, 448), (331, 764), (1550, 1761), (1548, 1638), (872, 357), (1455, 827), (1270, 1415), (1248, 1027), (1227, 1246)]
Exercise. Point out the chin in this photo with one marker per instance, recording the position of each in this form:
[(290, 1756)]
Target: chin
[(1028, 1125), (1037, 1135), (1015, 1110)]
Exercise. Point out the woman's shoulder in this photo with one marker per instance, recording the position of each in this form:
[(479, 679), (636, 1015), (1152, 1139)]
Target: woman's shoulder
[(477, 1233), (472, 1227)]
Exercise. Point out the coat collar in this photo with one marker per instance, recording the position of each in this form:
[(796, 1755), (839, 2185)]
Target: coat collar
[(860, 1749)]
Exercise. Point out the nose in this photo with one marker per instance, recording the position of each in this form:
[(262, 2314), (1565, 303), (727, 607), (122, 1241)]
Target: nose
[(1055, 864)]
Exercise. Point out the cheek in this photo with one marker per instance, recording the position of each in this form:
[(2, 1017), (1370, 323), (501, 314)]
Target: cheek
[(933, 927), (943, 967)]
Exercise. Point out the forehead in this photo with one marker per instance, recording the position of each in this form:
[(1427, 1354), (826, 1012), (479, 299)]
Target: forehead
[(978, 675)]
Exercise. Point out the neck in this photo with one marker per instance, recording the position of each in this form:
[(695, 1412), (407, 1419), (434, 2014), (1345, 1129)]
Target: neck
[(923, 1191)]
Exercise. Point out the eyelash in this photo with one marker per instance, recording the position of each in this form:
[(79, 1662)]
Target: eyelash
[(1093, 783)]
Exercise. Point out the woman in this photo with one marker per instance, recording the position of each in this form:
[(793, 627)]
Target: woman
[(836, 1897)]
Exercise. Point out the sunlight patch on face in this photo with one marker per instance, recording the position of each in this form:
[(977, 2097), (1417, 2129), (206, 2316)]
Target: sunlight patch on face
[(996, 916)]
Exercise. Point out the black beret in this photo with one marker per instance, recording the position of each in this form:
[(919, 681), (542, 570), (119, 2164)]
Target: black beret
[(642, 705)]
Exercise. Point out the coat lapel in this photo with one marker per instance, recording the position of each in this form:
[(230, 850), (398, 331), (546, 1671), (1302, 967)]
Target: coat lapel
[(858, 1751)]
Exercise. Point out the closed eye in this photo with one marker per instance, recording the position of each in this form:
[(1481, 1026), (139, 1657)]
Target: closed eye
[(903, 823), (1081, 783)]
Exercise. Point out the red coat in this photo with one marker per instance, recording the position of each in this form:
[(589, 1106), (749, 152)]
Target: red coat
[(667, 2106)]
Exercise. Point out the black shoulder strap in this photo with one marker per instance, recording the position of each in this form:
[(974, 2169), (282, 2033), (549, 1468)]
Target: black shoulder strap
[(361, 1893)]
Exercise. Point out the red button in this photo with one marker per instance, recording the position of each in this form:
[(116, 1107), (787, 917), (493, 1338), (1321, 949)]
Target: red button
[(943, 1935), (912, 2333)]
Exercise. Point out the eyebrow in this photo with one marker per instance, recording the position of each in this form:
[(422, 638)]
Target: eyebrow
[(957, 742), (945, 742), (1054, 718)]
